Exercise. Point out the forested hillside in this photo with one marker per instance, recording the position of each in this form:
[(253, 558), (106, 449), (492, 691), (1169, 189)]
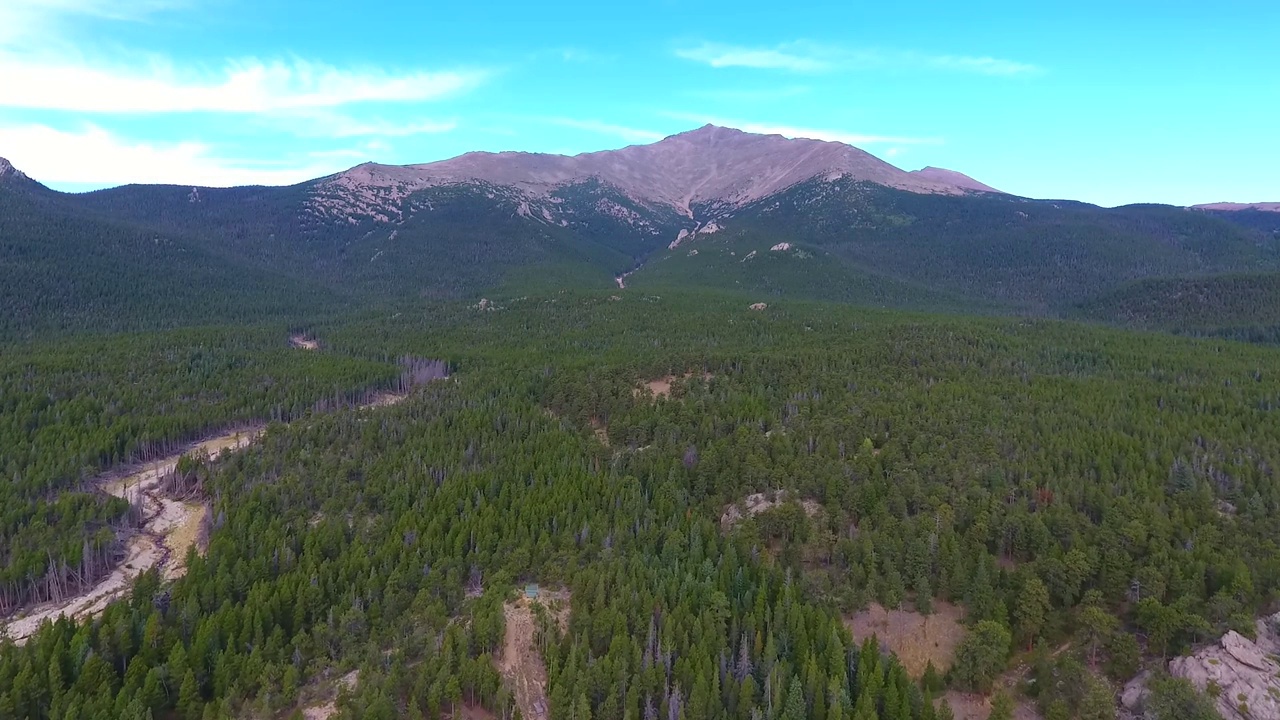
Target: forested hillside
[(1107, 493), (1029, 255), (71, 408), (1242, 306), (66, 268), (145, 257)]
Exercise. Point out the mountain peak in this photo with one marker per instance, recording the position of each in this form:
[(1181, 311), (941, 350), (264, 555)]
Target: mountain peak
[(711, 167), (7, 169), (952, 178)]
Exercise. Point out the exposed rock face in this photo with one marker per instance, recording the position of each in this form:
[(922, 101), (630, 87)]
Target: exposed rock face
[(1245, 672), (710, 170), (9, 172)]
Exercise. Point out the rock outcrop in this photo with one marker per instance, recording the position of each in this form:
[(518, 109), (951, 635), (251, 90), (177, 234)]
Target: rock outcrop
[(1243, 674)]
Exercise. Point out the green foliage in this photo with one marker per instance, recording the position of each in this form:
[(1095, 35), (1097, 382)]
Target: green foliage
[(1008, 459), (1171, 698), (1243, 306), (1035, 255), (71, 408)]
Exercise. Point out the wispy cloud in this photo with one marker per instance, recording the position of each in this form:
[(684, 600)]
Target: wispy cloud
[(31, 21), (797, 57), (791, 131), (628, 134), (242, 86), (808, 57), (93, 156)]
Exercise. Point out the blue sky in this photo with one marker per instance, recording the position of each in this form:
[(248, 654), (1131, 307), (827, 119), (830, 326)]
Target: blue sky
[(1115, 102)]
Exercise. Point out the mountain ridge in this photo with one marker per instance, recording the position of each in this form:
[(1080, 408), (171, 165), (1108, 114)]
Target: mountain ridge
[(707, 171)]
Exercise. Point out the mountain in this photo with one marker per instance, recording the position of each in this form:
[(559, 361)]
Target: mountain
[(1040, 256), (699, 173), (1257, 216), (684, 211)]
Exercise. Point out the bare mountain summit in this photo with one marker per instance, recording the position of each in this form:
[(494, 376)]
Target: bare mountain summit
[(1263, 206), (704, 171), (952, 178)]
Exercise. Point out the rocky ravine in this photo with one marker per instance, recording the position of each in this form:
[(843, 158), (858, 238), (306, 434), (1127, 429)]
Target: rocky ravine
[(1245, 674)]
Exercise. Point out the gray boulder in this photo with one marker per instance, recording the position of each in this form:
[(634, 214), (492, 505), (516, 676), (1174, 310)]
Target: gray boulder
[(1243, 674)]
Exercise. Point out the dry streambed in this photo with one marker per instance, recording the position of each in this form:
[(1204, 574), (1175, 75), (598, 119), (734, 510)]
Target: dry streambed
[(169, 528)]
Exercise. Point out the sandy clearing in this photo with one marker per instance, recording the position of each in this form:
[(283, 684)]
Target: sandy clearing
[(302, 342), (661, 387), (520, 662), (916, 639), (383, 400)]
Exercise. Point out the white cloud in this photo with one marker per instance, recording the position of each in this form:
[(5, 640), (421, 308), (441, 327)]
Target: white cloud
[(981, 65), (93, 156), (791, 131), (797, 57), (626, 133), (808, 57), (243, 86)]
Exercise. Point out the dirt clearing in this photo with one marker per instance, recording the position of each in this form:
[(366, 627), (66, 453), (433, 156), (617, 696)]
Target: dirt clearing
[(601, 431), (520, 663), (302, 342), (661, 387), (757, 503), (972, 706), (323, 709), (916, 639)]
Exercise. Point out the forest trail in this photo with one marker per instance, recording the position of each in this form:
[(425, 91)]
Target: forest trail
[(168, 529), (521, 663)]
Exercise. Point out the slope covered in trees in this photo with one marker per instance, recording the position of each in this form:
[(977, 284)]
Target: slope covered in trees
[(71, 408), (141, 257), (1242, 306), (1031, 255), (1065, 482), (66, 268)]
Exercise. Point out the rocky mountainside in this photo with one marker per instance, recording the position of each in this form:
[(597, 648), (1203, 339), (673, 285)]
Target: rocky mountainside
[(699, 174), (952, 178)]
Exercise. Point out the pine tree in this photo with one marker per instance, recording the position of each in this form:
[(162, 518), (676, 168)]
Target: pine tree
[(793, 708)]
